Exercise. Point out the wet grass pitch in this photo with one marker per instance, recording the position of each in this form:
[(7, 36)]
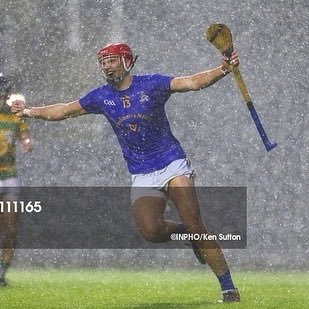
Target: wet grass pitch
[(97, 288)]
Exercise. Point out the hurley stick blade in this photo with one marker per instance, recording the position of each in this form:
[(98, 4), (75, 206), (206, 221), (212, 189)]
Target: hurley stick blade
[(221, 37)]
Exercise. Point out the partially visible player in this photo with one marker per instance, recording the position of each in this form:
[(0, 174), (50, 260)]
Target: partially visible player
[(12, 129), (135, 107)]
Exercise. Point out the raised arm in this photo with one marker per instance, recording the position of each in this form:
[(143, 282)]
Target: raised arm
[(52, 112), (204, 79)]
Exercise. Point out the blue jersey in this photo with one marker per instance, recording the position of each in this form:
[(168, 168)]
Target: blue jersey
[(139, 121)]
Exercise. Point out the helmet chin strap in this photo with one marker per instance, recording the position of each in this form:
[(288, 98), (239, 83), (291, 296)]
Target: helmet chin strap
[(128, 69), (120, 78)]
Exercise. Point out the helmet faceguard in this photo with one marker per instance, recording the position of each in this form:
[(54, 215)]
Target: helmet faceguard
[(117, 50)]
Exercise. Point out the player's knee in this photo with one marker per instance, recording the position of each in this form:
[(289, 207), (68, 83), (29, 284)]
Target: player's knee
[(152, 233)]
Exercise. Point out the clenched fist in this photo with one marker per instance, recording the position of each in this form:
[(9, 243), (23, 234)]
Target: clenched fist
[(18, 107)]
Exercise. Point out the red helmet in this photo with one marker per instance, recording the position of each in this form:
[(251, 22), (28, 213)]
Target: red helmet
[(121, 50), (116, 49)]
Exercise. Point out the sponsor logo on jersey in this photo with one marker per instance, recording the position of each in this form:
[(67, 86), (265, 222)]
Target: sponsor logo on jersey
[(109, 102), (133, 126)]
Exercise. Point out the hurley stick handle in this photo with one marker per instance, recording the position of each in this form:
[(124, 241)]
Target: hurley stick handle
[(241, 84)]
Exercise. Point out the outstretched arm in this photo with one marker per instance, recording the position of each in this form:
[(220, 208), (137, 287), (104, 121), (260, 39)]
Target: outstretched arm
[(204, 79), (52, 112)]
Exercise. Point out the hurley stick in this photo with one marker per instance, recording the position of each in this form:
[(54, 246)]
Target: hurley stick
[(220, 36)]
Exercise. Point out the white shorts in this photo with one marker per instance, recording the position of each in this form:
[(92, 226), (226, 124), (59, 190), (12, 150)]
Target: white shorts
[(155, 183)]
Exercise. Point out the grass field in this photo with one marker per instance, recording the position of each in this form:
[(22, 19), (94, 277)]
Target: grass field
[(149, 289)]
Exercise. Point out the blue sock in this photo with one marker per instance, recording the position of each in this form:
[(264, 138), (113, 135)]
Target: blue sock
[(226, 281)]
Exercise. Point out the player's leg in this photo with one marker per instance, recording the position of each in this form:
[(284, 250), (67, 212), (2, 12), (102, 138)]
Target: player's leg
[(149, 217), (182, 192), (8, 227)]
